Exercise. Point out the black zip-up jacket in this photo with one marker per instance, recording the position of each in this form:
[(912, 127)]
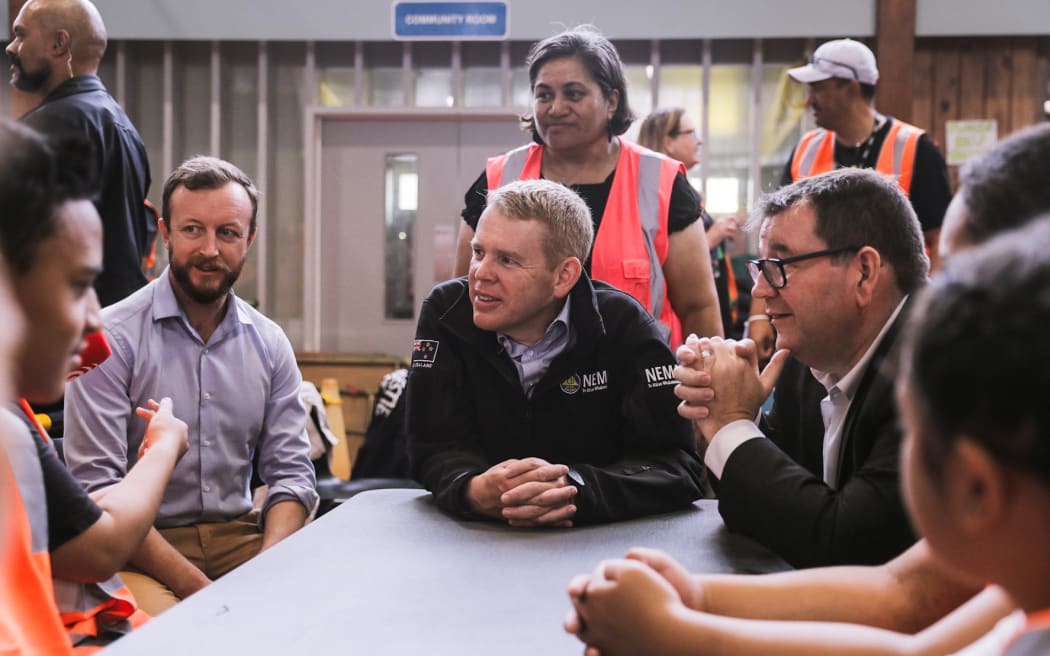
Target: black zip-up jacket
[(605, 407)]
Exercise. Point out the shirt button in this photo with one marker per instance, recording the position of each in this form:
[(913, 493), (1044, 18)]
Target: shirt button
[(207, 488), (206, 351), (207, 396), (205, 443)]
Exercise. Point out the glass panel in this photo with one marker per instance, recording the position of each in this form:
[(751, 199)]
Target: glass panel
[(520, 89), (336, 87), (434, 87), (682, 86), (729, 145), (335, 73), (402, 199), (432, 64), (385, 89), (783, 107), (481, 87), (639, 95)]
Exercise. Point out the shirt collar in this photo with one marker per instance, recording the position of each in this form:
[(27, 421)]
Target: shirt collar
[(849, 383), (554, 330)]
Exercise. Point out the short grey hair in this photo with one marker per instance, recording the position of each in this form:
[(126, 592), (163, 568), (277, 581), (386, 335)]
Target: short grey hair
[(570, 230)]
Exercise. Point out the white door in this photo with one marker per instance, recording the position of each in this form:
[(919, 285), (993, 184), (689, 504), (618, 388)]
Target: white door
[(390, 197)]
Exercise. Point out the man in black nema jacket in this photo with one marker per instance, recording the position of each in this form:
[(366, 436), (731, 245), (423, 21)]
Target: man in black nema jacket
[(536, 396)]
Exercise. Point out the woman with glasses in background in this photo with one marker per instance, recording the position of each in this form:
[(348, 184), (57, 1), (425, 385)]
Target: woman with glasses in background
[(672, 132)]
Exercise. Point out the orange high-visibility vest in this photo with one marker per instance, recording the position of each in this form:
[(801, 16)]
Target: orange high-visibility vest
[(29, 622), (87, 610), (631, 245), (815, 154)]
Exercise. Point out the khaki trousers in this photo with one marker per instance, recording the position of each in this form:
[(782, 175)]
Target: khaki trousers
[(214, 548)]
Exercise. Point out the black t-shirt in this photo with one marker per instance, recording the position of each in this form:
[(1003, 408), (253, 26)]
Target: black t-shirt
[(683, 211), (930, 189), (70, 511)]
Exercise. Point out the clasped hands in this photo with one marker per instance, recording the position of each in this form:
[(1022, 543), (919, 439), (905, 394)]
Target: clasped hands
[(624, 606), (719, 381), (526, 492)]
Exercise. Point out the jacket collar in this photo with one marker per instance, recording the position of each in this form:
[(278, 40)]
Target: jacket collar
[(73, 86)]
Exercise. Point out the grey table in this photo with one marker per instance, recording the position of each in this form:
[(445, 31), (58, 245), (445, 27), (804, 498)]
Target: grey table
[(388, 573)]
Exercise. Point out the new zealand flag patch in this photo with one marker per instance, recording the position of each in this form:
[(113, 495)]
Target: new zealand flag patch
[(424, 352)]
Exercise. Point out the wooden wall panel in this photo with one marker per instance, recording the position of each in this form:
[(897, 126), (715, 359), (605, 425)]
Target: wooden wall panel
[(945, 88), (972, 79), (1001, 78), (895, 50), (999, 58), (1026, 94), (922, 83)]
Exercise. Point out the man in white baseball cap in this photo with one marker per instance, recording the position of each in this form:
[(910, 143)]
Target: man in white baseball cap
[(842, 75)]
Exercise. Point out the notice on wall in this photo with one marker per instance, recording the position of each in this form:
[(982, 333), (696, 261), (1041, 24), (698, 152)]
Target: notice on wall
[(450, 20), (969, 139)]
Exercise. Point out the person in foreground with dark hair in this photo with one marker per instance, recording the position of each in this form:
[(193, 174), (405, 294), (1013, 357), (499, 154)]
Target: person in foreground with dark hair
[(976, 477), (914, 592), (535, 396), (51, 243), (649, 240), (227, 368)]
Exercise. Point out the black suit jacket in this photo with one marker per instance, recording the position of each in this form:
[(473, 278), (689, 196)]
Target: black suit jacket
[(773, 490)]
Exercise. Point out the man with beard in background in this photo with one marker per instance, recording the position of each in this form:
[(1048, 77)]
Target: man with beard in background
[(228, 369), (55, 51)]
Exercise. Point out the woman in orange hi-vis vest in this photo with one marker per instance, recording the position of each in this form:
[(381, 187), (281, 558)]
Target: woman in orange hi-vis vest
[(648, 240), (672, 132)]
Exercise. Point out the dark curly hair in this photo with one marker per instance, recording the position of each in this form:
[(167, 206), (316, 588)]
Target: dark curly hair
[(36, 177), (1008, 185), (976, 357)]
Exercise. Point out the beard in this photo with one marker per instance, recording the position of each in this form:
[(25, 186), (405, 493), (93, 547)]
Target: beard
[(203, 295), (23, 80)]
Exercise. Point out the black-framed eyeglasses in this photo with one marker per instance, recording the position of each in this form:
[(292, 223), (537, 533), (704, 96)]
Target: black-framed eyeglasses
[(678, 133), (856, 76), (772, 268)]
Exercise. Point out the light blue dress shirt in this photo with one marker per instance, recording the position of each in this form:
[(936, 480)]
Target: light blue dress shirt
[(534, 361), (238, 393)]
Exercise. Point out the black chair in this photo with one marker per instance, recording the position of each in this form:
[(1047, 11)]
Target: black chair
[(334, 490)]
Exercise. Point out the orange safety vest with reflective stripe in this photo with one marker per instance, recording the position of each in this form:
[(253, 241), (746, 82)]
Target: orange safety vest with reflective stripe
[(29, 622), (815, 154), (88, 610), (631, 245)]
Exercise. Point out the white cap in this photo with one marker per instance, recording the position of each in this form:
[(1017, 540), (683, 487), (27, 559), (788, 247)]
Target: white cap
[(843, 58)]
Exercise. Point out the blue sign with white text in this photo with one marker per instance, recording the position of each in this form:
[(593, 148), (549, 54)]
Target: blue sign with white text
[(450, 20)]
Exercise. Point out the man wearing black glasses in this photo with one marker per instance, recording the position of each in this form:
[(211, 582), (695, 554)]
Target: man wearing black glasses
[(816, 479), (842, 76)]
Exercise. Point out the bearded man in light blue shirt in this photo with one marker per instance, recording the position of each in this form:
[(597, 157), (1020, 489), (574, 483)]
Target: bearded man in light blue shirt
[(231, 373)]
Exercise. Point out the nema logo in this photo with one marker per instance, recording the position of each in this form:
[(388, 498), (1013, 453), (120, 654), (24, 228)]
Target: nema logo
[(660, 376), (571, 385)]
